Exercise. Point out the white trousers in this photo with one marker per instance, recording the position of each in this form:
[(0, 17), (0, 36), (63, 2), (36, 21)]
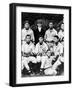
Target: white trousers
[(42, 59), (26, 60)]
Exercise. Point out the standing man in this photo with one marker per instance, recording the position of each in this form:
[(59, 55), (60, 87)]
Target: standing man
[(27, 31), (39, 31), (50, 33), (61, 32)]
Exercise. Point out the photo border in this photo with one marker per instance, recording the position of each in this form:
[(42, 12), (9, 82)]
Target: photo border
[(12, 64)]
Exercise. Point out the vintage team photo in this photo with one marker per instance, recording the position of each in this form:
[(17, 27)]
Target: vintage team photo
[(42, 44)]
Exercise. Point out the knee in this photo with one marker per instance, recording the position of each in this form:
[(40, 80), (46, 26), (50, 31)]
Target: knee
[(33, 60), (38, 58)]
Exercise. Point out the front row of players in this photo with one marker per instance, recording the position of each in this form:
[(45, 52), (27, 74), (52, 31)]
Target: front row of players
[(49, 56)]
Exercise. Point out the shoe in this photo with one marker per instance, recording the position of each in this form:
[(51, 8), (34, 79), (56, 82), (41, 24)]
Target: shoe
[(29, 72), (41, 71)]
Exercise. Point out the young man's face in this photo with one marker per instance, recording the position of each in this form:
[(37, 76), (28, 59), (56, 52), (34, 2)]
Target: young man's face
[(26, 26), (62, 26), (41, 40), (28, 39), (50, 25)]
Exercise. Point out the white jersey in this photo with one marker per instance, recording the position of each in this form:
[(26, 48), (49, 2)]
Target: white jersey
[(28, 48), (41, 48), (27, 32), (49, 35), (59, 49), (61, 34)]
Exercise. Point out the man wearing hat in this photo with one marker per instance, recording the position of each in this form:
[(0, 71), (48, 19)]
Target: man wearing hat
[(39, 31)]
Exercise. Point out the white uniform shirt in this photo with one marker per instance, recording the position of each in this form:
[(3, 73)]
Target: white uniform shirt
[(27, 32), (49, 35), (61, 34), (41, 48), (58, 49), (28, 48)]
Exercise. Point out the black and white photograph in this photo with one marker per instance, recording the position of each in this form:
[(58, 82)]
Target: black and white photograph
[(40, 40), (42, 43)]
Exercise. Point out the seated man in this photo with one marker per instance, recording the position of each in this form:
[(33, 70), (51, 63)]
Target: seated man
[(27, 53), (57, 57), (41, 50), (48, 65), (60, 61)]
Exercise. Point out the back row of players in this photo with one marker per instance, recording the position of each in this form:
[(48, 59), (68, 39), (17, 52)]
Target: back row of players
[(42, 46)]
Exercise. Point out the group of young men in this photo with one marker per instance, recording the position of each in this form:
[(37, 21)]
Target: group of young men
[(43, 48)]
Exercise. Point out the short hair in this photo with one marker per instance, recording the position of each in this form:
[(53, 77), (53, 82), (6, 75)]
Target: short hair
[(26, 22), (56, 36), (28, 36), (51, 22)]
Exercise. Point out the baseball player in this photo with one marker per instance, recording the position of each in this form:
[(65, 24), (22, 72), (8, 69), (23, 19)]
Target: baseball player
[(41, 50), (48, 70), (59, 51), (27, 53), (50, 33), (61, 32), (27, 31)]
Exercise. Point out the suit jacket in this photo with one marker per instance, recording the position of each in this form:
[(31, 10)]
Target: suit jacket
[(37, 34)]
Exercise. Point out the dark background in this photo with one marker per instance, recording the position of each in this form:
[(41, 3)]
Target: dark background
[(45, 18)]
